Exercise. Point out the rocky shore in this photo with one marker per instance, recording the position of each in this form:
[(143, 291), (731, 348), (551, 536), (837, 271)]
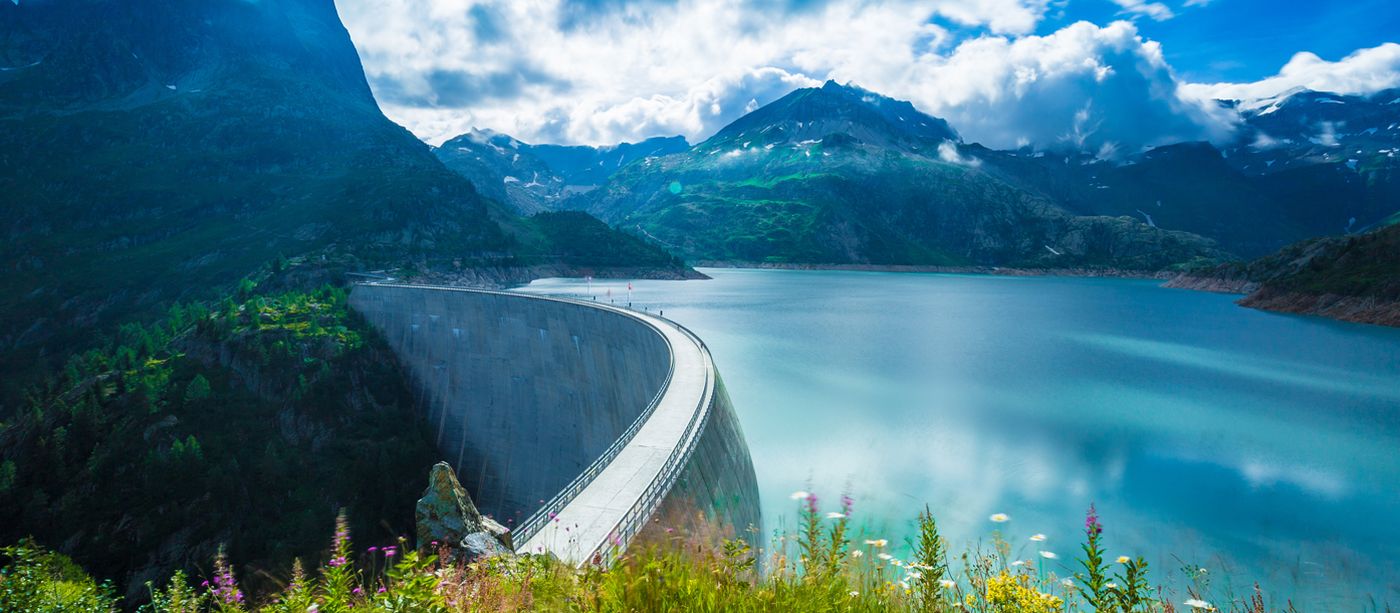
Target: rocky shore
[(1117, 273), (1366, 310), (1205, 283)]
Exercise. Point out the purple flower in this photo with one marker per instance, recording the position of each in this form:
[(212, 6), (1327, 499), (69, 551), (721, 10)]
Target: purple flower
[(1092, 527)]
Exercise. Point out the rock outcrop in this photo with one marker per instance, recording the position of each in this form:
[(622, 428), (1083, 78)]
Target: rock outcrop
[(448, 519)]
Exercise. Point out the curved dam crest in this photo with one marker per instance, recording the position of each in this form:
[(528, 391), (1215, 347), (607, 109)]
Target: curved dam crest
[(575, 424)]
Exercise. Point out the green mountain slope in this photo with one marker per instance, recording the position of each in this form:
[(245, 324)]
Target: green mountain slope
[(248, 426), (1353, 278), (158, 150)]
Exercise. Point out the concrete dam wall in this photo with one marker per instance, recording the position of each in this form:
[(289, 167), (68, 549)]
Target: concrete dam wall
[(567, 414)]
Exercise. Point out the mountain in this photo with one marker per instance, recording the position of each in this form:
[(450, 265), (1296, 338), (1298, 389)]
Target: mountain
[(584, 166), (1302, 165), (812, 114), (1353, 278), (838, 174), (533, 178), (500, 168), (152, 149)]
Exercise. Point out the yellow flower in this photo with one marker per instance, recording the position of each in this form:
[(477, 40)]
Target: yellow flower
[(1014, 593)]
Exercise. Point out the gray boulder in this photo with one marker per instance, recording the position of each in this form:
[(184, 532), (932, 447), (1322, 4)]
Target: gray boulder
[(447, 516)]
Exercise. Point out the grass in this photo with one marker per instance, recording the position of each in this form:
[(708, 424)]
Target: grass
[(823, 565)]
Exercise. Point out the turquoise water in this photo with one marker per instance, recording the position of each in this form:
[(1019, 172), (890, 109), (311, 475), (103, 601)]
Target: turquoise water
[(1259, 446)]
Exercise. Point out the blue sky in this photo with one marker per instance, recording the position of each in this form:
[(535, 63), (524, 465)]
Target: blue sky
[(1246, 40), (1108, 75)]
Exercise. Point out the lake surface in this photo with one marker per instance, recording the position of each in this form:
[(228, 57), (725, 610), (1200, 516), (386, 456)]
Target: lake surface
[(1259, 446)]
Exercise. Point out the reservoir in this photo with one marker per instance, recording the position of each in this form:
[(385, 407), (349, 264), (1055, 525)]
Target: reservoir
[(1259, 446)]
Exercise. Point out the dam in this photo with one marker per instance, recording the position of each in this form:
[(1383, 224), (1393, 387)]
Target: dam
[(578, 425)]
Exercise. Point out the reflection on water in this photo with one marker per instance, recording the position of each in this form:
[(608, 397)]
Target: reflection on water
[(1206, 433)]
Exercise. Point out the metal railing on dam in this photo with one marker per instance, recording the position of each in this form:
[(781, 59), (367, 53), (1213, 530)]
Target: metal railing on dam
[(602, 407)]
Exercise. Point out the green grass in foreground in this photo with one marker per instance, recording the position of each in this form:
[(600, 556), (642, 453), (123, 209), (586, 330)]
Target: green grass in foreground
[(819, 567)]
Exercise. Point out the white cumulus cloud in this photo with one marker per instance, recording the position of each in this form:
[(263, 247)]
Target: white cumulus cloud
[(604, 71), (1085, 86), (1365, 71)]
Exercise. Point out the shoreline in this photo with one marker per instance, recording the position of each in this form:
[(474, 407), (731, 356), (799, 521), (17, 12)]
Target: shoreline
[(1113, 273)]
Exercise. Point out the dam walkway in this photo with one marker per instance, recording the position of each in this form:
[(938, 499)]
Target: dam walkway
[(598, 513)]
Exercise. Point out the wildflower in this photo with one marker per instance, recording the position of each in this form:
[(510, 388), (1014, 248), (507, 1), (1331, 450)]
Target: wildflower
[(1111, 585), (1049, 555), (314, 608), (854, 593), (1019, 563), (915, 575), (877, 542), (885, 556), (1197, 603), (904, 584), (800, 495), (1000, 518), (1067, 582), (1123, 559), (1091, 522), (372, 549), (947, 584), (856, 553), (1037, 538), (835, 515)]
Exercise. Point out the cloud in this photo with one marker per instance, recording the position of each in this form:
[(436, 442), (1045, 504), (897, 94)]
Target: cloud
[(948, 152), (1365, 71), (1084, 86), (599, 71), (1141, 8), (604, 71)]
